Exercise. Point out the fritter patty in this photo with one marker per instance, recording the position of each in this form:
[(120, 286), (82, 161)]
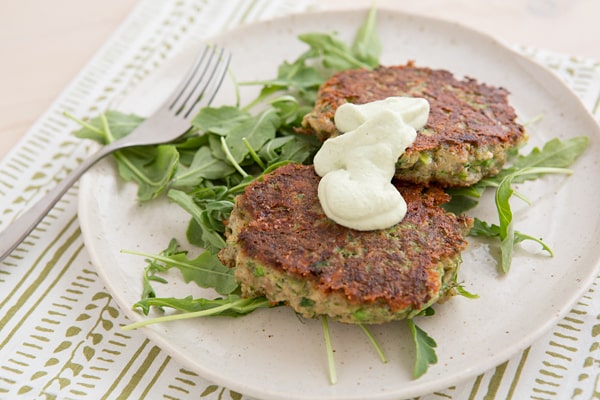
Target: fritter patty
[(283, 246), (470, 130)]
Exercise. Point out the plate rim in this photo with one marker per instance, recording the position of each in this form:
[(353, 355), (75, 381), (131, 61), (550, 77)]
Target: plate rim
[(490, 362)]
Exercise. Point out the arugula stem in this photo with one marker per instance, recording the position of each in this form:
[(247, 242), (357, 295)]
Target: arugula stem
[(118, 155), (236, 85), (329, 349), (82, 123), (505, 215), (239, 187), (522, 236), (231, 159), (350, 59), (374, 343), (533, 120), (133, 168), (168, 260), (259, 99), (176, 317), (106, 128), (253, 154), (521, 196)]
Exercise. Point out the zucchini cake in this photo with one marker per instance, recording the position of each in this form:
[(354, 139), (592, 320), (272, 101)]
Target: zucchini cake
[(284, 247), (469, 134)]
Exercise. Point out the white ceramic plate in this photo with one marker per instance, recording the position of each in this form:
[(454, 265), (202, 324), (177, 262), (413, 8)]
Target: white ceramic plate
[(271, 354)]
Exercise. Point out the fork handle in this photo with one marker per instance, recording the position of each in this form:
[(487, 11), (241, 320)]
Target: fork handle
[(18, 230)]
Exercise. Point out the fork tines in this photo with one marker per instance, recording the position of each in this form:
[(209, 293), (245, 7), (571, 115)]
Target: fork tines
[(200, 86)]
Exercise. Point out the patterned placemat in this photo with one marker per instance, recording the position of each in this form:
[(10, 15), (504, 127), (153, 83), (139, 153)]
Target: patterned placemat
[(60, 335)]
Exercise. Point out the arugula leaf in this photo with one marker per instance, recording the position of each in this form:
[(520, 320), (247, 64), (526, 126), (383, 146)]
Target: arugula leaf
[(205, 270), (151, 167), (554, 158), (297, 75), (230, 306), (219, 120), (188, 147), (460, 289), (204, 165), (150, 273), (335, 53), (154, 167), (425, 349), (326, 55), (367, 44), (271, 150), (297, 151), (506, 229), (204, 234), (287, 108), (555, 153), (483, 229), (257, 130), (121, 125), (374, 343), (503, 195), (297, 79), (237, 126)]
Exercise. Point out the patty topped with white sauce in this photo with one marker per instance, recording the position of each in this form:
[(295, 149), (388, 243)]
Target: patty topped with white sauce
[(470, 131), (284, 247)]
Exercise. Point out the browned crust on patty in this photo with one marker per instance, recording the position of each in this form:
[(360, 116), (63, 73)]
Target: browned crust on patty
[(461, 110), (470, 129), (279, 222)]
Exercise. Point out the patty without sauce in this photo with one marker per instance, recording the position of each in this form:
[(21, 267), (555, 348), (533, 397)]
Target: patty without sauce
[(283, 246), (471, 126)]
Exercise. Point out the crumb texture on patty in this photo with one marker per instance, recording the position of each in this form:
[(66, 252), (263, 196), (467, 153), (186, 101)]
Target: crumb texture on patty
[(470, 129), (283, 246)]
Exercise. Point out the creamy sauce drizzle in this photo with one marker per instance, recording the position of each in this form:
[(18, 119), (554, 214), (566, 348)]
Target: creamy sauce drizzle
[(357, 168)]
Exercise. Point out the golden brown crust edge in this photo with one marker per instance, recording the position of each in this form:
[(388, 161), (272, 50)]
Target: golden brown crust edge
[(278, 222)]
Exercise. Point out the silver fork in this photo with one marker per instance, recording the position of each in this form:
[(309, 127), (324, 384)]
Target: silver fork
[(168, 123)]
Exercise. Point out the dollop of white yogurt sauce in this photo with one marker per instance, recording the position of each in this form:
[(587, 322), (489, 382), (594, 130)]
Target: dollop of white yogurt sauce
[(357, 168)]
